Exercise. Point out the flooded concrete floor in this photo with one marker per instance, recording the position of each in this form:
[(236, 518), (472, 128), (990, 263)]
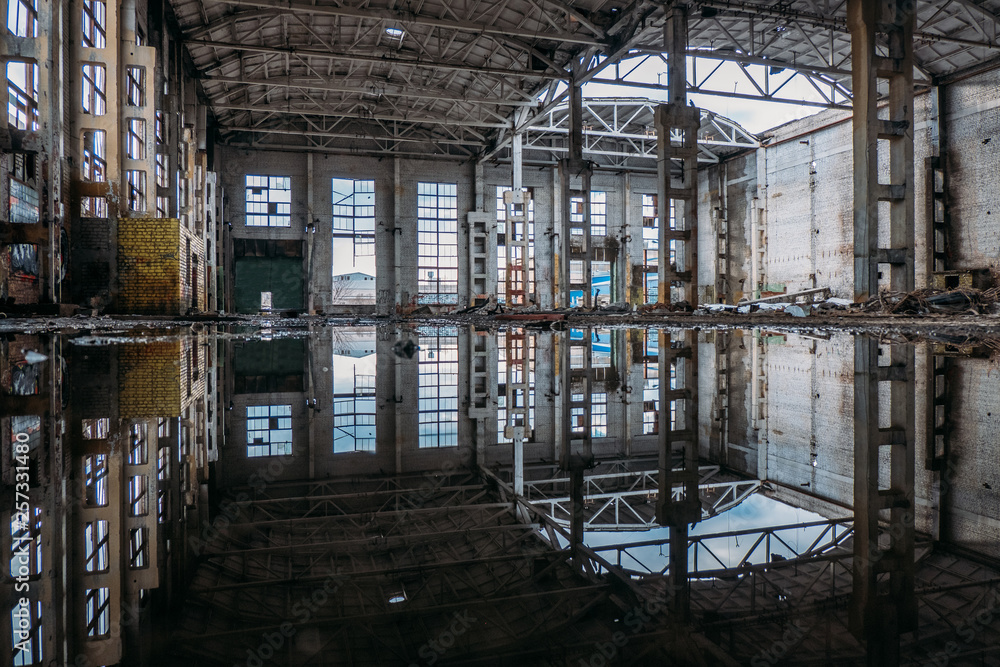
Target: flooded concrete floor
[(473, 491)]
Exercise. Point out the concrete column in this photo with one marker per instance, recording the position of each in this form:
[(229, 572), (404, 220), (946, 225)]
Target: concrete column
[(895, 21), (677, 162), (883, 604)]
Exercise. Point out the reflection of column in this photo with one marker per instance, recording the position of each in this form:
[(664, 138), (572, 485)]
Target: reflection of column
[(677, 144), (883, 603), (679, 504)]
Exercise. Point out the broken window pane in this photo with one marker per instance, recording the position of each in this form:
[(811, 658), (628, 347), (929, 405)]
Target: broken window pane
[(353, 241), (269, 201), (437, 238), (23, 196)]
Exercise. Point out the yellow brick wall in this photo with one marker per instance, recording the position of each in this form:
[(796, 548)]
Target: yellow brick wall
[(150, 379), (149, 266)]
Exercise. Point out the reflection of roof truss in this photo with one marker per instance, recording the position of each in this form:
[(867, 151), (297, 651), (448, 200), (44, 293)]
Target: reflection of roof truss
[(625, 500), (620, 133)]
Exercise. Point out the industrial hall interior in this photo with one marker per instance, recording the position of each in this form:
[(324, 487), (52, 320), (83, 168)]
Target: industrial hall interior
[(569, 333)]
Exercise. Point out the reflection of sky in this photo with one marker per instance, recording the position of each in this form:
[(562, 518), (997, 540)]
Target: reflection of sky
[(757, 511)]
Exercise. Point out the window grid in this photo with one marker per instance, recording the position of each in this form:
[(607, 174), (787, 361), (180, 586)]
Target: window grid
[(437, 391), (598, 213), (96, 546), (95, 480), (502, 387), (138, 498), (135, 86), (23, 203), (135, 139), (135, 180), (354, 417), (95, 16), (95, 95), (98, 605), (22, 17), (22, 92), (138, 548), (599, 415), (30, 648), (269, 201), (437, 239), (138, 453), (269, 430)]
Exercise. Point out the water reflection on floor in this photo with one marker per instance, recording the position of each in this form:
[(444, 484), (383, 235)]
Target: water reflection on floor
[(445, 495)]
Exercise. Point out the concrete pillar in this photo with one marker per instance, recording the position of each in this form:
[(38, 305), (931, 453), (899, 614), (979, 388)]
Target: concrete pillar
[(895, 21), (677, 162)]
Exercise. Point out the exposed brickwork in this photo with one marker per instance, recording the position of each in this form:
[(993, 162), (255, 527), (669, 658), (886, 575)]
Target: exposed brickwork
[(150, 266), (150, 379)]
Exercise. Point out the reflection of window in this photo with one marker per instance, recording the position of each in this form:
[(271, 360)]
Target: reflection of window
[(98, 604), (138, 453), (598, 415), (438, 391), (94, 24), (22, 17), (437, 238), (95, 96), (95, 480), (269, 430), (22, 92), (651, 384), (519, 367), (354, 415), (138, 548), (138, 498), (269, 201), (96, 546), (29, 636)]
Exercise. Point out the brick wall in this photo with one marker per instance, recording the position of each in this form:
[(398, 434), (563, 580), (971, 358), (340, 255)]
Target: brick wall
[(150, 266), (150, 379)]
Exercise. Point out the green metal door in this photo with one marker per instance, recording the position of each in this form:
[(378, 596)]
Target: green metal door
[(281, 276)]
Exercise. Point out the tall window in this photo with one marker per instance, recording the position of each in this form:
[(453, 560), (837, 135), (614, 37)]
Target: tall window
[(135, 86), (598, 415), (98, 604), (438, 391), (95, 90), (269, 430), (269, 201), (650, 247), (353, 241), (29, 639), (22, 17), (437, 238)]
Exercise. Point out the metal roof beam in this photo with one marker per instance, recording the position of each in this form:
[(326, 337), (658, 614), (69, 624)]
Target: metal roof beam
[(405, 91), (409, 18), (368, 137), (408, 120), (360, 56)]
